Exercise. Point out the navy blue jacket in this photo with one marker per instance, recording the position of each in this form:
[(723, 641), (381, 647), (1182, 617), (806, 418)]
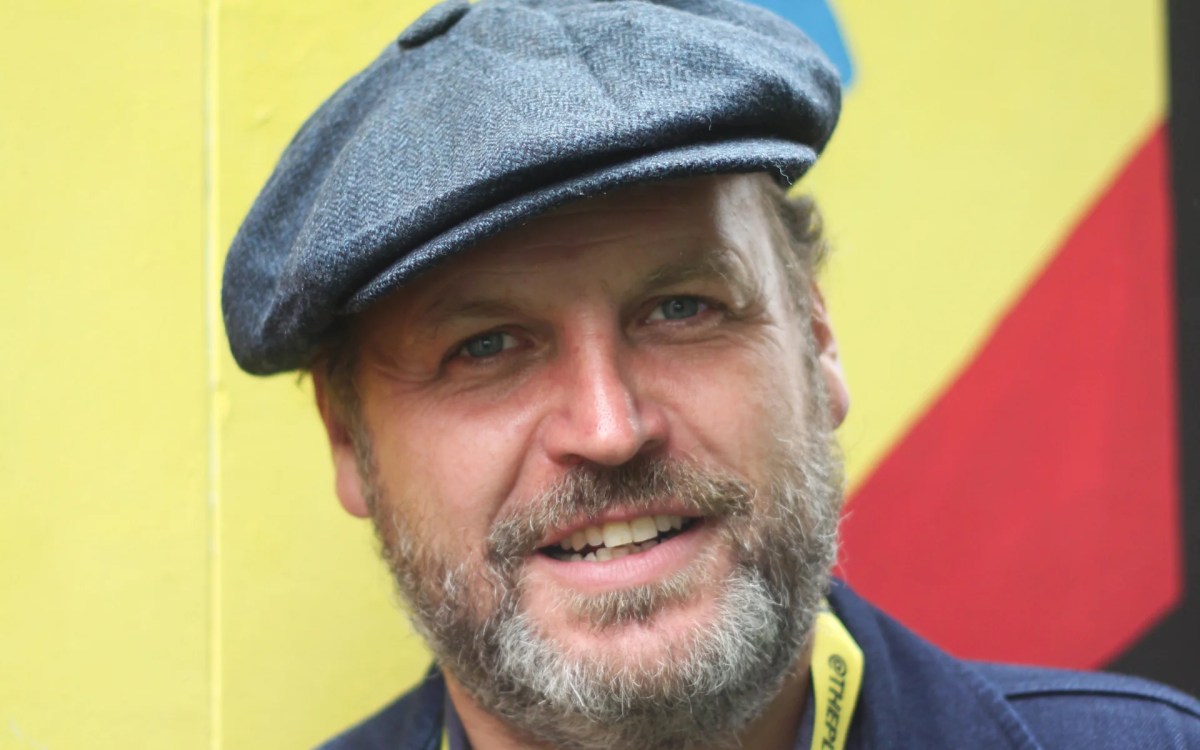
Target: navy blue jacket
[(915, 695)]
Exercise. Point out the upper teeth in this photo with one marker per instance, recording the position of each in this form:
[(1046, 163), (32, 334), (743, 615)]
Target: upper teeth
[(620, 533)]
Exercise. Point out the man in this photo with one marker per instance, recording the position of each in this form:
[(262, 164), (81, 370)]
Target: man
[(571, 358)]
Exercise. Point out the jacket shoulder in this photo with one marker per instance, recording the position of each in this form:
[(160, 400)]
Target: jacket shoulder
[(411, 722), (1067, 709)]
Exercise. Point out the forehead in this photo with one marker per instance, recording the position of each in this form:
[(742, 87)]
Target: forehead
[(717, 223)]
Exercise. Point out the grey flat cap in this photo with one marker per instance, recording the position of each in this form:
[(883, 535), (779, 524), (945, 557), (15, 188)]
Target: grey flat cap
[(483, 115)]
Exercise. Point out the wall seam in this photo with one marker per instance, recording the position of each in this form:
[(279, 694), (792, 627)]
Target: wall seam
[(211, 10)]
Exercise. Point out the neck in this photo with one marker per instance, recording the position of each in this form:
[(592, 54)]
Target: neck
[(485, 731), (774, 729)]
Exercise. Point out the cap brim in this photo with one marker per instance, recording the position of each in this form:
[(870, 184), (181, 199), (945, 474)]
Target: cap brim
[(783, 160)]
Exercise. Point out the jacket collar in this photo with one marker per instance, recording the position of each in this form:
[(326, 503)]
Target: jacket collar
[(916, 695)]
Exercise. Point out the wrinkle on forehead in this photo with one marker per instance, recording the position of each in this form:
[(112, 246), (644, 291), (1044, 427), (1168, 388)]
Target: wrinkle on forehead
[(709, 221)]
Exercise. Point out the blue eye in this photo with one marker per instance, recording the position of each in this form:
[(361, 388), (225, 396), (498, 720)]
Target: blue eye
[(677, 308), (487, 345)]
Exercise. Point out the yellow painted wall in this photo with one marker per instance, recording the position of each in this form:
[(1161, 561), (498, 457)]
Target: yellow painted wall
[(174, 571), (104, 525)]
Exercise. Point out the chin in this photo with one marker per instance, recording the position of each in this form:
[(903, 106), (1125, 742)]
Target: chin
[(678, 675), (636, 628)]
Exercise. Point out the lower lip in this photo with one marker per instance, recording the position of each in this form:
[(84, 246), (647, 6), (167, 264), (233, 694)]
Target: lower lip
[(639, 568)]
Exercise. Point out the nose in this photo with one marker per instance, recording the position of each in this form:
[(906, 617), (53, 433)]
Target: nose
[(600, 415)]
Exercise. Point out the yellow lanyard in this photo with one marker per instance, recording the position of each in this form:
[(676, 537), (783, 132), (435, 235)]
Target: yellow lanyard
[(837, 671), (837, 674)]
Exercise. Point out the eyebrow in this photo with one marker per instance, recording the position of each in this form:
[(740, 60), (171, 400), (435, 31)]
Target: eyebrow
[(721, 262), (451, 308), (718, 262)]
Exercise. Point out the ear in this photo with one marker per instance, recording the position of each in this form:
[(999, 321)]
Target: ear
[(827, 357), (347, 481)]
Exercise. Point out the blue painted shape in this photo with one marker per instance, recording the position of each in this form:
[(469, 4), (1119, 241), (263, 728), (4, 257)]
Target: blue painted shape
[(817, 20)]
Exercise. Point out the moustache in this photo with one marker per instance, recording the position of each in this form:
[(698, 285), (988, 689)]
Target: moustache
[(588, 490)]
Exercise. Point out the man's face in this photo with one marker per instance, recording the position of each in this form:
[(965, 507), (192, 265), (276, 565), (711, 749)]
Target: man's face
[(597, 452)]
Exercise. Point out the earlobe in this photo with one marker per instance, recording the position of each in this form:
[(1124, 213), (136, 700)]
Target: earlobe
[(348, 482), (827, 357)]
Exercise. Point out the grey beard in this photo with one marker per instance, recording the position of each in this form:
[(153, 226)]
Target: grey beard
[(700, 693)]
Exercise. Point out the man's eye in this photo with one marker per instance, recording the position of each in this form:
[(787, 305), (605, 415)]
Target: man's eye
[(487, 345), (678, 308)]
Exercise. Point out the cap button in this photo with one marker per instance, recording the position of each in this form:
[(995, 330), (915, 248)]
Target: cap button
[(434, 22)]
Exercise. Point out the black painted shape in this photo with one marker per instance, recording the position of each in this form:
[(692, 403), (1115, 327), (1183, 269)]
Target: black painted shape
[(1170, 652)]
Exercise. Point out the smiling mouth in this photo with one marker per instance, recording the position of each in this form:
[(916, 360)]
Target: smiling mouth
[(614, 540)]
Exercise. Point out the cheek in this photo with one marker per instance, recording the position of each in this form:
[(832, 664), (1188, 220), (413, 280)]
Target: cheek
[(734, 409), (453, 468)]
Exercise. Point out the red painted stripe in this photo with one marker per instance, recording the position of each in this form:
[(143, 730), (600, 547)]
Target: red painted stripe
[(1032, 514)]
